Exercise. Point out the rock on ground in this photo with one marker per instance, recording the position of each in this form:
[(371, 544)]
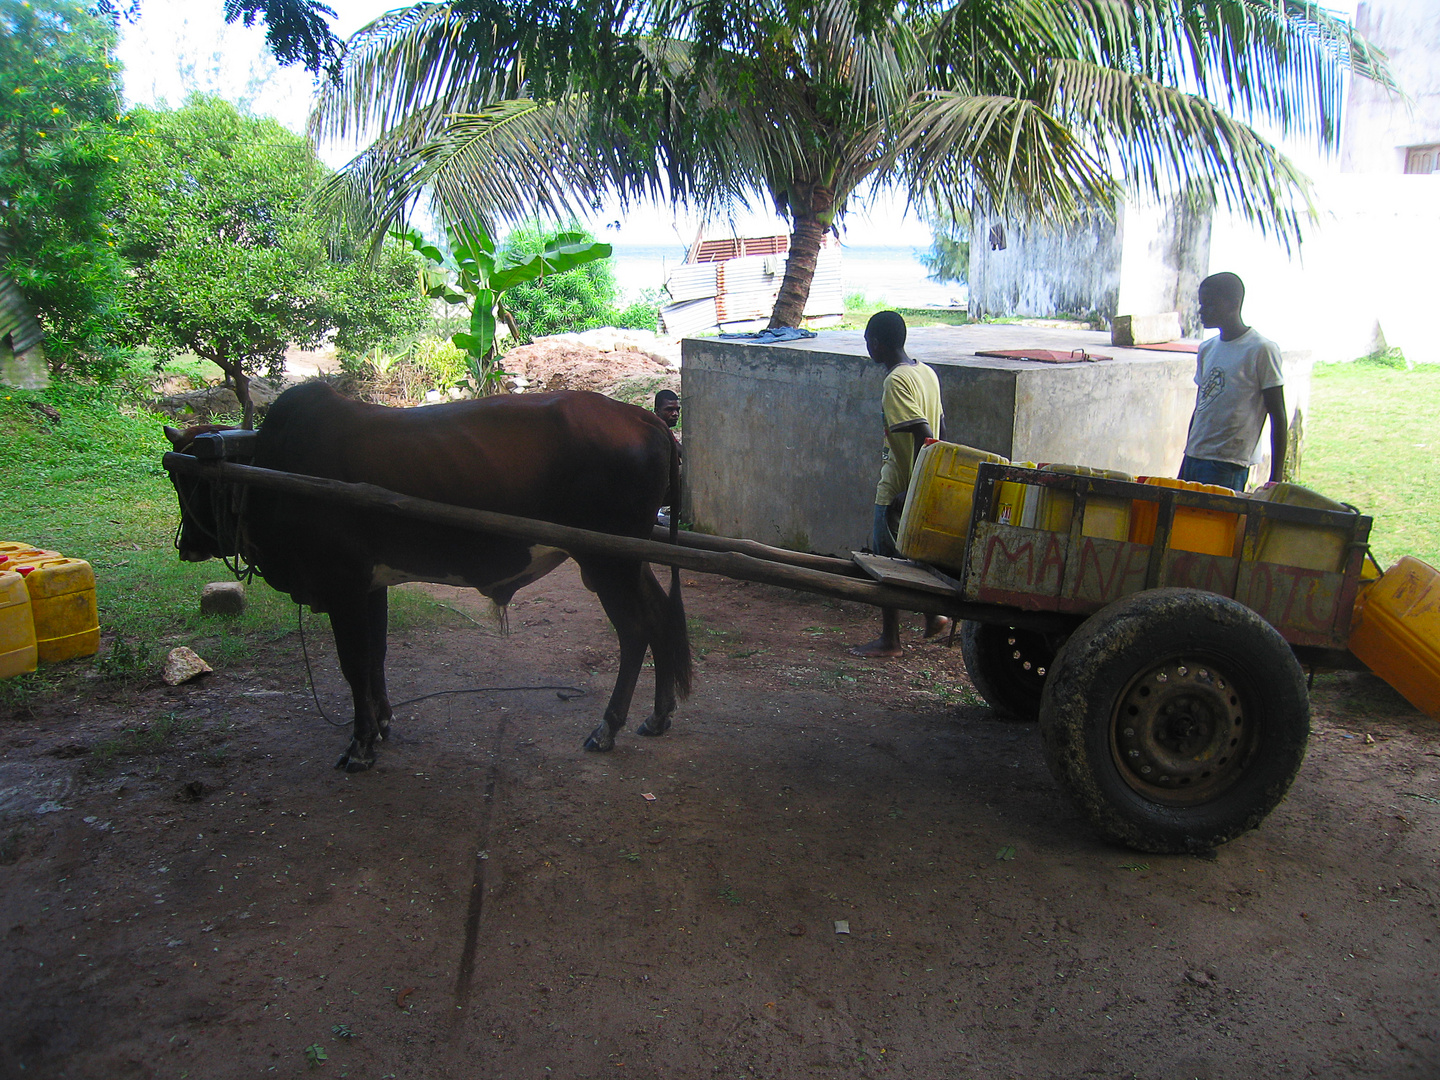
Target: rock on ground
[(203, 405), (222, 598)]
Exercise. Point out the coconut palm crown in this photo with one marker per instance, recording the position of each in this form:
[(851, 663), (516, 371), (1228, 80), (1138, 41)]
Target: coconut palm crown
[(1045, 108)]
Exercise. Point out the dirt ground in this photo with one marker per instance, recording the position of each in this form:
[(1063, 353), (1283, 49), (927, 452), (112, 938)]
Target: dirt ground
[(493, 902)]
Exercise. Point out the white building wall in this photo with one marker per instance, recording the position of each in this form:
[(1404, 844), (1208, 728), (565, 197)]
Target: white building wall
[(1368, 276), (1380, 125)]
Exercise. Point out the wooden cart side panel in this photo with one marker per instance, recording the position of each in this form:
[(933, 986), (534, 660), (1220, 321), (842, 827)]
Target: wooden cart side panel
[(1306, 606), (1194, 570), (1037, 570), (1102, 571), (1006, 564)]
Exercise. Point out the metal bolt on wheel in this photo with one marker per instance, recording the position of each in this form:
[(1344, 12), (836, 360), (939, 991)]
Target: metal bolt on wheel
[(1008, 666)]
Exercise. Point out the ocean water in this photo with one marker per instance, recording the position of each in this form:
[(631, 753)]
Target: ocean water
[(889, 275)]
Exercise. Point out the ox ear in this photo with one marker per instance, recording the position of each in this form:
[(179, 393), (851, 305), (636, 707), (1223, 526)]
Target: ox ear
[(176, 436)]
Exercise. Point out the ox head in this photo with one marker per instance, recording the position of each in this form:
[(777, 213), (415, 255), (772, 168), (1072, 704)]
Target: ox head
[(207, 516)]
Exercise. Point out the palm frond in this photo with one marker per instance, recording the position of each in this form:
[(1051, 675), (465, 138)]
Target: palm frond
[(1009, 149), (498, 162), (1287, 61), (501, 109), (399, 64), (1163, 141)]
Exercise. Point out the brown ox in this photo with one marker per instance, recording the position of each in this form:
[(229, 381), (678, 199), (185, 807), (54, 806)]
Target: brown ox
[(575, 459)]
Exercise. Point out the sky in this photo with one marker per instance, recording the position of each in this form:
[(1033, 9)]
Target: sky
[(178, 46)]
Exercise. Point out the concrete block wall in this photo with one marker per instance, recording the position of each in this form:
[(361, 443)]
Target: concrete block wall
[(782, 442)]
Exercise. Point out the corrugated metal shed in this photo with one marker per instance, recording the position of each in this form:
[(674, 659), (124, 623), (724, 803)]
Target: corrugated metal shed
[(741, 277), (691, 317), (691, 281), (827, 290), (752, 304), (738, 247)]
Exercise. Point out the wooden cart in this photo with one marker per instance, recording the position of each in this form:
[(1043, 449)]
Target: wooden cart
[(1168, 684)]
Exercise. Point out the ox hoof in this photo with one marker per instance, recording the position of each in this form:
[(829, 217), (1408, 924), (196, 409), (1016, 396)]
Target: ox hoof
[(355, 759), (601, 739), (653, 725), (385, 731)]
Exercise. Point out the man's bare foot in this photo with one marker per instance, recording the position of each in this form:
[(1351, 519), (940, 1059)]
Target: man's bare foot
[(877, 649), (935, 625)]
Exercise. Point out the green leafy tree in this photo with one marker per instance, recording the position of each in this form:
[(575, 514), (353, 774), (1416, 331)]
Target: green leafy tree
[(568, 302), (229, 264), (1051, 108), (480, 278), (949, 256), (376, 305), (60, 140)]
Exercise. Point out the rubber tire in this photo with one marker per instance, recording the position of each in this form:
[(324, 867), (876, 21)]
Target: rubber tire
[(1111, 653), (989, 660)]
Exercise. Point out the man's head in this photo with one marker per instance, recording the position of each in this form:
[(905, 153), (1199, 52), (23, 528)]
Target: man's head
[(885, 337), (1221, 297), (667, 407)]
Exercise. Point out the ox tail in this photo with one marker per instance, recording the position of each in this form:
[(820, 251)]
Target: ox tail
[(677, 633)]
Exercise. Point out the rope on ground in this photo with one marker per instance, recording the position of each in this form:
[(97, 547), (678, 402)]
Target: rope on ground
[(564, 693)]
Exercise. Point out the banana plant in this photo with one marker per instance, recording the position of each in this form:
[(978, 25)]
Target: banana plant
[(474, 275)]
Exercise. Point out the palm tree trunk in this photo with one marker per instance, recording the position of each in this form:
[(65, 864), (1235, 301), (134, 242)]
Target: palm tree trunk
[(805, 241)]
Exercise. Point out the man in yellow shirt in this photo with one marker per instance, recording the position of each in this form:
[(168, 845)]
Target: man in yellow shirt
[(910, 402)]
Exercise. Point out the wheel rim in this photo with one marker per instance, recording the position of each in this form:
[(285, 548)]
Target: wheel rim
[(1180, 734)]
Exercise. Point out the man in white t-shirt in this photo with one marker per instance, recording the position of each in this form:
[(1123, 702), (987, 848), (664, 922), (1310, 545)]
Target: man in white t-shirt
[(1238, 384)]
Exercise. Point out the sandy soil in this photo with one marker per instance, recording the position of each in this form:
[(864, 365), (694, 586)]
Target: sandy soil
[(595, 361), (491, 901)]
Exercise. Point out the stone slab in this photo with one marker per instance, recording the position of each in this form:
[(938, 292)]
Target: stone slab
[(222, 598), (1145, 329)]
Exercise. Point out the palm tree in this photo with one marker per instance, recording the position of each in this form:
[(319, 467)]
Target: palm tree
[(1049, 108)]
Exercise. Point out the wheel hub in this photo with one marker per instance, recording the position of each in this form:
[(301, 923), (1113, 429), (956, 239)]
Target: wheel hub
[(1179, 734)]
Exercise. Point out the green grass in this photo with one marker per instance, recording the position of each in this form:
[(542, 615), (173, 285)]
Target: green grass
[(859, 308), (92, 487), (1372, 439)]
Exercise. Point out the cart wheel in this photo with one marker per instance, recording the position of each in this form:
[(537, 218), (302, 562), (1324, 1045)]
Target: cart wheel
[(1007, 666), (1175, 720)]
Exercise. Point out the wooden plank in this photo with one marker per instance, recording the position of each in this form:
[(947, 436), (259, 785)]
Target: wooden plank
[(902, 572), (755, 549), (1009, 561)]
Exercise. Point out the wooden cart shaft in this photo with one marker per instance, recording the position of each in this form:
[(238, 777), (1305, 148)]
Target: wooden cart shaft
[(743, 560)]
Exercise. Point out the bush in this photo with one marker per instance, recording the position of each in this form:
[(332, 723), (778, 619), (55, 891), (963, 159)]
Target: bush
[(59, 140), (642, 314), (1386, 357), (405, 375), (579, 299)]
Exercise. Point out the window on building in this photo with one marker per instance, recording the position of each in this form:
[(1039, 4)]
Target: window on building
[(1423, 159)]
